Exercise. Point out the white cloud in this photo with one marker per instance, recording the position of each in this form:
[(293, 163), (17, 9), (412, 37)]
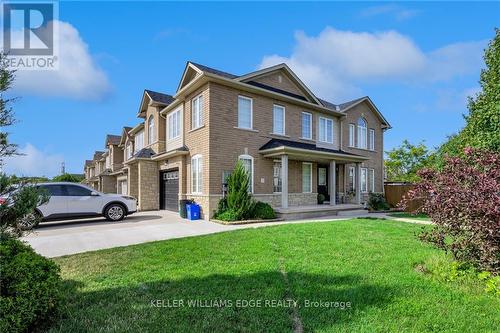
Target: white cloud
[(33, 162), (398, 12), (78, 75), (335, 62)]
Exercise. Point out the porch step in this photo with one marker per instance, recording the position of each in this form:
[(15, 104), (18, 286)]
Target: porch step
[(353, 212), (308, 212)]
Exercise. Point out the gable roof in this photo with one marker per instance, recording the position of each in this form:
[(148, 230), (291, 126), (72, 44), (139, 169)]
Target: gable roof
[(88, 163), (112, 140), (154, 97), (97, 155), (345, 107), (281, 67), (124, 135), (204, 68)]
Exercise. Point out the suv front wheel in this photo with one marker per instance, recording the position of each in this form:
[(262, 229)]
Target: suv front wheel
[(114, 212)]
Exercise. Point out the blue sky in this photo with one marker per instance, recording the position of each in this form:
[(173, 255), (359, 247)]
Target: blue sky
[(417, 61)]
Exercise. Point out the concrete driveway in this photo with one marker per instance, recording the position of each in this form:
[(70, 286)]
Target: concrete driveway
[(53, 239)]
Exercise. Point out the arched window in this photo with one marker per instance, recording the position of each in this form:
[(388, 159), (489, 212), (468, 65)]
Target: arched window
[(247, 162), (362, 137), (151, 129)]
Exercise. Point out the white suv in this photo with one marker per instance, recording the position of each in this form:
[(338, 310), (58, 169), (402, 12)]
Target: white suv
[(71, 200)]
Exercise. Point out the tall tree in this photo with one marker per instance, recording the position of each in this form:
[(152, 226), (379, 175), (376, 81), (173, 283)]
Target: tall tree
[(482, 123), (17, 201), (403, 162)]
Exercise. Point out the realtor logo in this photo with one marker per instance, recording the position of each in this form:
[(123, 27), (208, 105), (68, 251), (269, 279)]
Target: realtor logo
[(29, 34)]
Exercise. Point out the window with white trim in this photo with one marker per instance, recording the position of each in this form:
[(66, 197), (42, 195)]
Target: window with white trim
[(197, 174), (322, 176), (139, 141), (245, 112), (352, 129), (306, 125), (362, 138), (278, 119), (174, 125), (247, 162), (352, 179), (325, 130), (128, 151), (371, 173), (151, 129), (372, 139), (108, 161), (306, 177), (364, 180), (197, 112), (277, 180)]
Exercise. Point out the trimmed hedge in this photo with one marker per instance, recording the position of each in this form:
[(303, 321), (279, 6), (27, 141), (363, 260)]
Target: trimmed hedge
[(263, 211), (30, 287)]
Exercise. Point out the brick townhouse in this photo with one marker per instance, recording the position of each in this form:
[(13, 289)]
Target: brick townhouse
[(293, 144)]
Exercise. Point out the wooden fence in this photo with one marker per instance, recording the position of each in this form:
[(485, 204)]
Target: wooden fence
[(394, 193)]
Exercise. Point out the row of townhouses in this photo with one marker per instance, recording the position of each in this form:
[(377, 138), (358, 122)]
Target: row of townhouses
[(293, 144)]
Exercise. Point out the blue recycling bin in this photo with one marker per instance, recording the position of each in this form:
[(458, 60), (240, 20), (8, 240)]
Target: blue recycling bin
[(193, 212)]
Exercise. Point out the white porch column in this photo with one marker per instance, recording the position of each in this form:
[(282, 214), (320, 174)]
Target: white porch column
[(357, 180), (333, 186), (284, 181)]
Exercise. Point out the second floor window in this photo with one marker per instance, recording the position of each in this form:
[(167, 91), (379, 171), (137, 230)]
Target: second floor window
[(351, 135), (128, 151), (325, 130), (278, 119), (108, 161), (245, 112), (174, 125), (372, 139), (197, 112), (306, 125), (139, 141), (151, 129), (362, 137)]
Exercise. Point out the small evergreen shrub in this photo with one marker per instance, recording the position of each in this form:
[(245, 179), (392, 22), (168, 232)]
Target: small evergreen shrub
[(263, 211), (376, 201), (30, 287), (239, 199)]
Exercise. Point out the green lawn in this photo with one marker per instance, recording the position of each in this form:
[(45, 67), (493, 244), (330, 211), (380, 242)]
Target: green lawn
[(422, 217), (369, 263)]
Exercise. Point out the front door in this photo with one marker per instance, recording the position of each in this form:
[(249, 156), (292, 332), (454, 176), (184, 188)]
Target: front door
[(169, 190), (323, 181)]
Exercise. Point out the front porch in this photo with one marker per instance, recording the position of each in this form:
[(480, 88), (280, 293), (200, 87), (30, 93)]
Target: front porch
[(331, 176), (309, 211)]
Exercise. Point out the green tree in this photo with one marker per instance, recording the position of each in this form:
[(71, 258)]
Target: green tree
[(239, 199), (67, 177), (482, 123), (17, 201), (403, 162)]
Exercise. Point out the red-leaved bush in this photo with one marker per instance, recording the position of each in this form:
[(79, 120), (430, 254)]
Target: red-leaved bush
[(463, 200)]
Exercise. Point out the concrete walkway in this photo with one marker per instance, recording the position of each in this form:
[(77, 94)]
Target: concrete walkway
[(53, 239)]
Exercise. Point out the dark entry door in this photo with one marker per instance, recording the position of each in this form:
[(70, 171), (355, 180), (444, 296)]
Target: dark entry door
[(323, 181), (169, 190)]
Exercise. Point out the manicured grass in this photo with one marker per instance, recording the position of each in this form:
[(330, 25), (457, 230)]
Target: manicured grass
[(423, 217), (369, 263)]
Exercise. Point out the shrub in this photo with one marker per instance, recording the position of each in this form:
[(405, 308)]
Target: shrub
[(463, 200), (376, 201), (239, 199), (321, 198), (228, 215), (263, 210), (30, 287)]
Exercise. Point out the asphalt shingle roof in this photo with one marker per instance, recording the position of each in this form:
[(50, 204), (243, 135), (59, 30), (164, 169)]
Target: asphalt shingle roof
[(144, 153), (275, 143), (113, 139), (98, 155), (214, 71), (160, 97)]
